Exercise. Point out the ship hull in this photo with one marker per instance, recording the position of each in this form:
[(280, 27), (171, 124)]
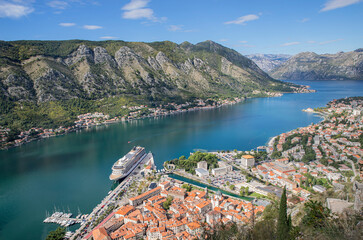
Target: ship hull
[(118, 177)]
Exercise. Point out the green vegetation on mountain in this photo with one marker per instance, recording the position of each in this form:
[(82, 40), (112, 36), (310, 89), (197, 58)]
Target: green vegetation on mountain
[(49, 83)]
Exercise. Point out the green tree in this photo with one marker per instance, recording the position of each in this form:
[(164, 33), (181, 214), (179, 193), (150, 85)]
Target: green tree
[(315, 214), (57, 234), (282, 222), (187, 187), (167, 203)]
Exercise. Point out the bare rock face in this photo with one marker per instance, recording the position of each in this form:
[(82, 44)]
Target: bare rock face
[(126, 57), (83, 52), (102, 56), (154, 63), (162, 59), (19, 87), (268, 62), (54, 85)]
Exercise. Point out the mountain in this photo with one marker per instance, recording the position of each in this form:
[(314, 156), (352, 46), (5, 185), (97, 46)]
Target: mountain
[(41, 71), (268, 62), (312, 66), (49, 83)]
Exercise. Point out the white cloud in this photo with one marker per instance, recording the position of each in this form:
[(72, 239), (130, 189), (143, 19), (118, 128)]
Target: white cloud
[(58, 4), (290, 44), (175, 28), (242, 20), (304, 20), (139, 13), (243, 41), (137, 9), (10, 10), (135, 4), (311, 41), (334, 4), (67, 24), (108, 37), (331, 41), (91, 27), (223, 40)]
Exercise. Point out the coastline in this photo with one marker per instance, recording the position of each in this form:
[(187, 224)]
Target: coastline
[(76, 127)]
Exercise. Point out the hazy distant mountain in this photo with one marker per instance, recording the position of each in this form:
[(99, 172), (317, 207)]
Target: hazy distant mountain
[(42, 71), (312, 66), (268, 62)]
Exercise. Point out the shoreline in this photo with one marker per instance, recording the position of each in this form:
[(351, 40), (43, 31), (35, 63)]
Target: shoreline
[(76, 128)]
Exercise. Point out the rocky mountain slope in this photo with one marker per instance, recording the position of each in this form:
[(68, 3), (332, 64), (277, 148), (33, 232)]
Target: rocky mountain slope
[(268, 62), (311, 66), (41, 71)]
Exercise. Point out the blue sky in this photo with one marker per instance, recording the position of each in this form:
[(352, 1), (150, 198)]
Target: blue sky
[(259, 26)]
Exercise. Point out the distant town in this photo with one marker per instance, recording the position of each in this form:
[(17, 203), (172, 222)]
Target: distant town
[(98, 118)]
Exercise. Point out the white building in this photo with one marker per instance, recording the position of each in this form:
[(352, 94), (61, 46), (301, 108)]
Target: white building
[(201, 172), (203, 164), (247, 161), (221, 170), (319, 188)]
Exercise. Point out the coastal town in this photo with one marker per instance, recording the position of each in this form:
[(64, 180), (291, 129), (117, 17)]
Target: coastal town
[(307, 161), (87, 120), (318, 161)]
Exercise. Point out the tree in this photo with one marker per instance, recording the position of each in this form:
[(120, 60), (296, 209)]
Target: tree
[(232, 187), (315, 214), (167, 203), (57, 234), (282, 222), (187, 187), (246, 191)]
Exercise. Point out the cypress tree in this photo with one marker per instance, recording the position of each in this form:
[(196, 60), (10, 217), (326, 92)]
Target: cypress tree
[(282, 222)]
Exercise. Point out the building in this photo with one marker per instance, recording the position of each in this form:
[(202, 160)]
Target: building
[(204, 206), (247, 161), (100, 234), (219, 171), (223, 169), (201, 172), (203, 164), (319, 188), (135, 201)]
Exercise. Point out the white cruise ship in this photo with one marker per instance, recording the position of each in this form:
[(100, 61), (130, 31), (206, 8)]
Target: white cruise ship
[(124, 166)]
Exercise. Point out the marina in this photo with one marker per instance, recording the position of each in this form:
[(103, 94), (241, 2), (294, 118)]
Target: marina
[(65, 219)]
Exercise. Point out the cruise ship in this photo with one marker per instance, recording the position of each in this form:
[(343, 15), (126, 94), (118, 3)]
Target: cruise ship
[(124, 166)]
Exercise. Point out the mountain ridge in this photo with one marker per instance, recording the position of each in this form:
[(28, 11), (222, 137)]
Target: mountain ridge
[(43, 71), (313, 66)]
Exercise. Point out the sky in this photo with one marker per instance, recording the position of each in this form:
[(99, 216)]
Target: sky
[(258, 26)]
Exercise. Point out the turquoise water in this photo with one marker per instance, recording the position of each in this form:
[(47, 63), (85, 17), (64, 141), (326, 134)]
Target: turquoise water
[(72, 170)]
